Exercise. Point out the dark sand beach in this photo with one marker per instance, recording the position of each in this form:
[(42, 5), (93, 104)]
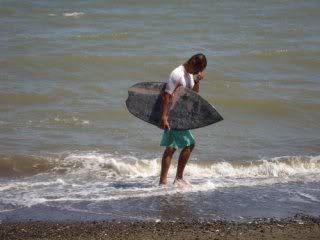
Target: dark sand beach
[(112, 230)]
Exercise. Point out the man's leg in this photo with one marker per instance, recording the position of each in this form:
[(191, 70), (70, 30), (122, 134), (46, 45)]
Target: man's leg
[(183, 159), (166, 161)]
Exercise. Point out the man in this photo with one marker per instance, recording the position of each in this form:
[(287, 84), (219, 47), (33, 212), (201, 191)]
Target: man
[(175, 139)]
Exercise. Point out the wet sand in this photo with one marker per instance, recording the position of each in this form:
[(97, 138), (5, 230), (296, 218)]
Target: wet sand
[(112, 230)]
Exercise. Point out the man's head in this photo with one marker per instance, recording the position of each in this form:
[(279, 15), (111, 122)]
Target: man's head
[(197, 63)]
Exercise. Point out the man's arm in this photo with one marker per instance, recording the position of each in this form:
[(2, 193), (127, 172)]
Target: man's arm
[(200, 76), (164, 124), (196, 87)]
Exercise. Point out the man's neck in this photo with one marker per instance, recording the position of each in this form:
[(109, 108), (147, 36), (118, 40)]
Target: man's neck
[(187, 67)]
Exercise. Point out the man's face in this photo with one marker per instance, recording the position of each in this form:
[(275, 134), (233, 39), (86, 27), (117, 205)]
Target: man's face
[(197, 68)]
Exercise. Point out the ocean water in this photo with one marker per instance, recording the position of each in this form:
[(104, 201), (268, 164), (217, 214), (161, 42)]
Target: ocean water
[(69, 145)]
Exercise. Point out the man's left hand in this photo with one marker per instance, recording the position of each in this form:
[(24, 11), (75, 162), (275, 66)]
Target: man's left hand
[(200, 76)]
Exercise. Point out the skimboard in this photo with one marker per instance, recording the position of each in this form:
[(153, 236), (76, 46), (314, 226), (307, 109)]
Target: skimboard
[(188, 109)]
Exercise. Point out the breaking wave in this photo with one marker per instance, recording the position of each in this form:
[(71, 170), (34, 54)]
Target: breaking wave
[(69, 178), (115, 165)]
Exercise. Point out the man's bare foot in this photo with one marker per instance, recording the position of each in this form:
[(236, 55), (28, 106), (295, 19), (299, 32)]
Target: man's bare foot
[(181, 183), (162, 184)]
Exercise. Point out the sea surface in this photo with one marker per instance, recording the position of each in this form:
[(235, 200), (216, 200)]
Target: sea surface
[(70, 150)]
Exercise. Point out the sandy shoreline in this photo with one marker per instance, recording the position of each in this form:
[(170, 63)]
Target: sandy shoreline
[(141, 230)]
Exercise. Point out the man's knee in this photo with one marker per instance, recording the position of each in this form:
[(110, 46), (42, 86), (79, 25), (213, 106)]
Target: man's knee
[(190, 148), (170, 150)]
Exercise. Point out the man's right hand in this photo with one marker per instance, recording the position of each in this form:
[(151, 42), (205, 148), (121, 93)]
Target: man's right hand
[(164, 124)]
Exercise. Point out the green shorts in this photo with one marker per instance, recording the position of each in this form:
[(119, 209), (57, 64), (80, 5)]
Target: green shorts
[(177, 139)]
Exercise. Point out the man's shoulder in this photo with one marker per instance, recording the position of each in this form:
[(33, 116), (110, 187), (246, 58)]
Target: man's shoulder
[(177, 72), (174, 79)]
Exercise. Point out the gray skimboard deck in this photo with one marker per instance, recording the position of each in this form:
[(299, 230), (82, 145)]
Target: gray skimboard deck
[(188, 109)]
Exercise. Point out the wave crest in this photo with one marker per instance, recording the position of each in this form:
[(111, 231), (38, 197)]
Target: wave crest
[(114, 165)]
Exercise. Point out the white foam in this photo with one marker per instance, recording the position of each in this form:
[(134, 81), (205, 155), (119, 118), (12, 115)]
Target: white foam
[(281, 167), (69, 120), (155, 191), (113, 165), (73, 14), (96, 176)]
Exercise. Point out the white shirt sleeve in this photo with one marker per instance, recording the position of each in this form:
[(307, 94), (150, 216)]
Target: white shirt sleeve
[(173, 82)]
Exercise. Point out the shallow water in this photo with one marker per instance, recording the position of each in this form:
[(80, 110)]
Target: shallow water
[(68, 142)]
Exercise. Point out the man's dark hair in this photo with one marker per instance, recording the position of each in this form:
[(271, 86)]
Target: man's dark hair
[(199, 60)]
